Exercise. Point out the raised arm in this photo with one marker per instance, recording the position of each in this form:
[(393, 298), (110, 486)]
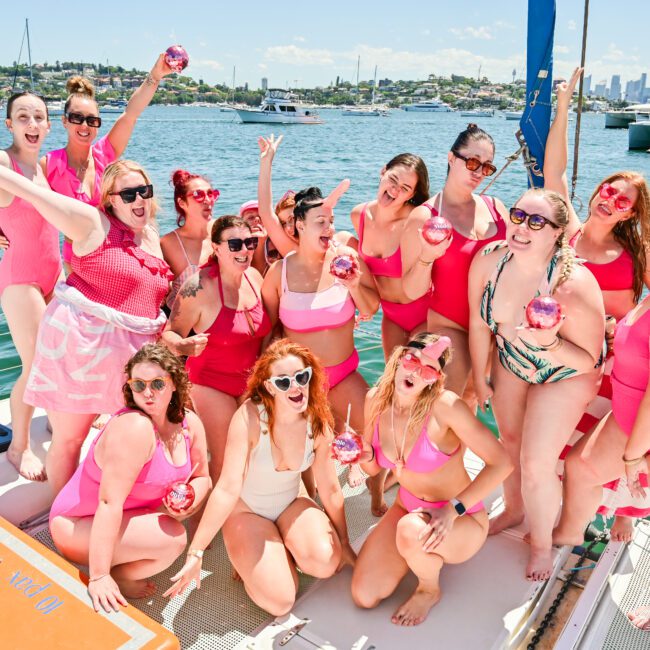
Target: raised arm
[(127, 444), (270, 220), (75, 219), (121, 131), (557, 146), (223, 498)]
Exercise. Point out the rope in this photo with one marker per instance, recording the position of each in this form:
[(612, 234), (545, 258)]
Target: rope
[(511, 158), (576, 145)]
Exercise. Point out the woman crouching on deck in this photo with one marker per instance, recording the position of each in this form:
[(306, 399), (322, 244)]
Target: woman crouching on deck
[(113, 514), (438, 516), (283, 427)]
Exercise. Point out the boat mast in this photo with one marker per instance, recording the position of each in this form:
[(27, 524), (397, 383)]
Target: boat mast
[(29, 54), (233, 83), (374, 85), (574, 177)]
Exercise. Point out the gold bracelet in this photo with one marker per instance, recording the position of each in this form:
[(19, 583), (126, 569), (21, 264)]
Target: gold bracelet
[(195, 552), (632, 461), (424, 262), (554, 345), (98, 577)]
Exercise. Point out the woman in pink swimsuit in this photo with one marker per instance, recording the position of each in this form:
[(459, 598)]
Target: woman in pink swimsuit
[(222, 303), (30, 265), (420, 430), (477, 220), (106, 310), (76, 170), (270, 530), (614, 241), (113, 514), (316, 309), (189, 246)]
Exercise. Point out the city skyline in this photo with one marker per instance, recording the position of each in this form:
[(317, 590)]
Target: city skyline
[(313, 46)]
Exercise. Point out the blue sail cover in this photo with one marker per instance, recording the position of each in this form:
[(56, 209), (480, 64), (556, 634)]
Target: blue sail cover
[(536, 120)]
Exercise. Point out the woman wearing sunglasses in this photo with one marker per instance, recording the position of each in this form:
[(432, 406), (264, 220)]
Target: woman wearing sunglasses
[(113, 514), (420, 430), (541, 379), (30, 265), (317, 309), (223, 305), (76, 170), (476, 219), (189, 246), (107, 308), (614, 241), (269, 529)]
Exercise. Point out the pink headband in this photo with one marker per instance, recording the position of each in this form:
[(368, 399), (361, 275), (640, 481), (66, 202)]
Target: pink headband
[(434, 350)]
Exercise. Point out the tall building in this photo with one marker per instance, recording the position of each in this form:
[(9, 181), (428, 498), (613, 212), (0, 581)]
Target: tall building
[(265, 84), (644, 93), (587, 85), (615, 87), (601, 89)]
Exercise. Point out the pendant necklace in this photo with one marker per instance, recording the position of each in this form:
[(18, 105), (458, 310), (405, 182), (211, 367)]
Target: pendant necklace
[(399, 461)]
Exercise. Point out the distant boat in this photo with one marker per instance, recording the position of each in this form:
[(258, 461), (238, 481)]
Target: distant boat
[(55, 108), (513, 115), (639, 135), (113, 106), (478, 112), (428, 106), (280, 107), (363, 111), (621, 119)]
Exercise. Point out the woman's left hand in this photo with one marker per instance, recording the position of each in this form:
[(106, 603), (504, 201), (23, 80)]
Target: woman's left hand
[(354, 280), (536, 336), (348, 556), (633, 476), (161, 68), (440, 523)]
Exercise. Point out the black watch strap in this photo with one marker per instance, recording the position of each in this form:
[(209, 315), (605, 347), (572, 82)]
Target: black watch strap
[(458, 507)]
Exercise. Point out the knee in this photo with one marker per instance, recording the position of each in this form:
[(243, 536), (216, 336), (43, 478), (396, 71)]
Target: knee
[(276, 600), (536, 473), (175, 536), (321, 559), (406, 535), (363, 593), (578, 467)]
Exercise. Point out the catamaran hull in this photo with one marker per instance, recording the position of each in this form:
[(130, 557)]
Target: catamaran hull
[(639, 135), (618, 120), (263, 117)]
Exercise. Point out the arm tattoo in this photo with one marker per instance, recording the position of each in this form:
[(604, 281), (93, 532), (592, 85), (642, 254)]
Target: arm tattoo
[(191, 288)]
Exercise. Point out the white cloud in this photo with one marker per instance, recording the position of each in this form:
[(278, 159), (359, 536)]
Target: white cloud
[(299, 39), (202, 44), (482, 33), (502, 24), (262, 66), (571, 25), (561, 49), (294, 55), (207, 63), (615, 54)]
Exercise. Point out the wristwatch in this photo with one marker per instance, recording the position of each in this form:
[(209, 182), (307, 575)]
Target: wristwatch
[(458, 507), (195, 552)]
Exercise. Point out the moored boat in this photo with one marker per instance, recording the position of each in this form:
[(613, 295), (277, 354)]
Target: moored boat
[(639, 135), (428, 106), (280, 107), (621, 119)]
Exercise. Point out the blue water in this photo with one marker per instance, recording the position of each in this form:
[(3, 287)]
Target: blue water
[(207, 141)]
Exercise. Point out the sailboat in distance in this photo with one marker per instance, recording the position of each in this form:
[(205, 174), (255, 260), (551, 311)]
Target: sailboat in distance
[(364, 111)]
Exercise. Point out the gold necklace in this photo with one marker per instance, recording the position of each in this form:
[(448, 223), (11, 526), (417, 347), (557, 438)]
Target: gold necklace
[(399, 461)]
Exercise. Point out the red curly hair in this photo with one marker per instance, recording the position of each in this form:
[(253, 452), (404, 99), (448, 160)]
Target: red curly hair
[(318, 408)]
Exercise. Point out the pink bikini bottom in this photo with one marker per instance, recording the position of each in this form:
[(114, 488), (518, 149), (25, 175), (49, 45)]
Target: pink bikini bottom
[(411, 502), (407, 315), (336, 374)]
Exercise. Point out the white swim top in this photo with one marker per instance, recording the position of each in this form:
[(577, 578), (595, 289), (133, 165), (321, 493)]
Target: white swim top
[(267, 491)]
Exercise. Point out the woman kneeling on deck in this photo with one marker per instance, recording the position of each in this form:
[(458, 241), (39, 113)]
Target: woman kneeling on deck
[(113, 515), (412, 419), (282, 428)]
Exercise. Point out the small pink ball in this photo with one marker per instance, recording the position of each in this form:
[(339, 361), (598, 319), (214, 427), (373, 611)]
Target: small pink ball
[(343, 266), (177, 58), (543, 312), (180, 496), (436, 229), (347, 447)]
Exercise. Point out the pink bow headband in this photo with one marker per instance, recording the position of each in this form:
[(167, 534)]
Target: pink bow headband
[(433, 350)]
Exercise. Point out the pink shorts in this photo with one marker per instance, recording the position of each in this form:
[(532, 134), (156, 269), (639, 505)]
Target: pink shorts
[(407, 315), (411, 502), (336, 374)]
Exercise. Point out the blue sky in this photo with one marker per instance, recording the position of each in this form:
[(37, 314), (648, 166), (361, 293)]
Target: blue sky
[(307, 43)]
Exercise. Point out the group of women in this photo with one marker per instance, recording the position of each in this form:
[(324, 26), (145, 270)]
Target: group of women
[(239, 387)]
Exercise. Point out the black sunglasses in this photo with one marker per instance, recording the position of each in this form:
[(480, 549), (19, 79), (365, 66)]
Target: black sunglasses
[(128, 195), (235, 244), (474, 163), (535, 221), (91, 120)]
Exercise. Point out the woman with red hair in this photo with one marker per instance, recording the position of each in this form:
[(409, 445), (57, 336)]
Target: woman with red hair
[(270, 530)]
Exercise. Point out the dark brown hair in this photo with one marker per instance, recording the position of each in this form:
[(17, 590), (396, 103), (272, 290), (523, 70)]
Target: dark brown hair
[(411, 161), (24, 93), (473, 133), (170, 363)]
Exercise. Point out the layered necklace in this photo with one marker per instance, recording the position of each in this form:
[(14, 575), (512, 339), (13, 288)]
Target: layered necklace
[(399, 449)]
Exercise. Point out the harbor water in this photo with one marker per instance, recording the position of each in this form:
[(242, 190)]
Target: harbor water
[(208, 141)]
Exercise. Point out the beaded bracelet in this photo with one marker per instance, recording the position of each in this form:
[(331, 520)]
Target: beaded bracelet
[(98, 577), (554, 345), (632, 461)]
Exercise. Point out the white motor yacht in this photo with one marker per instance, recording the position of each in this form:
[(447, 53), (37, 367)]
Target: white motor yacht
[(478, 112), (280, 107), (428, 106), (513, 115), (622, 119)]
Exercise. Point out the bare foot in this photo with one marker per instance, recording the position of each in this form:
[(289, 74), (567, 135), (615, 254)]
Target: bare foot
[(505, 520), (562, 538), (540, 564), (27, 464), (378, 506), (415, 609), (622, 530), (640, 617), (355, 475), (136, 588)]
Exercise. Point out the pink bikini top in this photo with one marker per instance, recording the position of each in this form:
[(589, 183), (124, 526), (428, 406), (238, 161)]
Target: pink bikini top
[(424, 457), (617, 275), (317, 310), (389, 267)]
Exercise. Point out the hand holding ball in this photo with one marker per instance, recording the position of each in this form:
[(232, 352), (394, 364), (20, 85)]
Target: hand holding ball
[(177, 58), (435, 230), (347, 447), (543, 312), (180, 496), (343, 266)]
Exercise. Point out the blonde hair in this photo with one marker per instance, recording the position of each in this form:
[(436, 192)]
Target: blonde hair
[(78, 87), (385, 386), (560, 211), (112, 173)]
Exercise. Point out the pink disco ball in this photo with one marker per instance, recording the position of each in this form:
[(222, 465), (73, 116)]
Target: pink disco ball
[(436, 229), (180, 496), (347, 447), (343, 266), (177, 58), (543, 312)]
